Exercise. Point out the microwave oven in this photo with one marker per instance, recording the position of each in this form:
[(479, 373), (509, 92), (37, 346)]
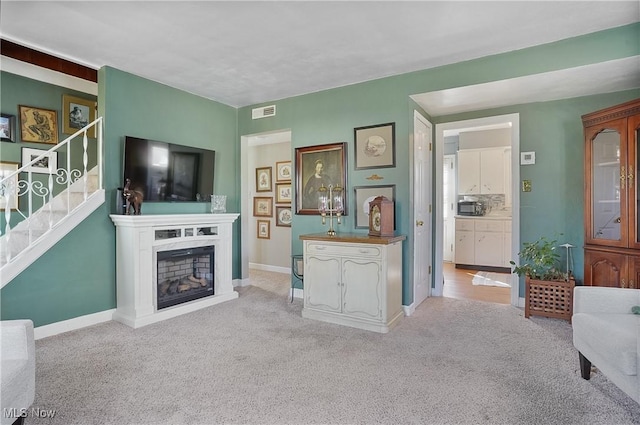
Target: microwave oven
[(471, 208)]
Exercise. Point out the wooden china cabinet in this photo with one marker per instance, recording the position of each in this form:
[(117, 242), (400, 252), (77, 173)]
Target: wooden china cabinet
[(612, 196)]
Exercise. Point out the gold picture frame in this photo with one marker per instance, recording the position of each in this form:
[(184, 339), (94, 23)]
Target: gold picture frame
[(263, 179), (264, 229), (283, 171), (6, 168), (77, 113), (263, 206), (38, 125), (283, 193)]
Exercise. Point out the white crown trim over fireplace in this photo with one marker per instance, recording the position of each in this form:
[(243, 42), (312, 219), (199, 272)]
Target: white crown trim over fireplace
[(139, 239)]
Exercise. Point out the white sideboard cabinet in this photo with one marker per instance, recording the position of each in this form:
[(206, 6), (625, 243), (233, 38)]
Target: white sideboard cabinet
[(353, 280)]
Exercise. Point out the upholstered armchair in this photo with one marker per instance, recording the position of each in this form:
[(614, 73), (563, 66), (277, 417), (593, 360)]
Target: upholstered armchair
[(607, 334), (18, 370)]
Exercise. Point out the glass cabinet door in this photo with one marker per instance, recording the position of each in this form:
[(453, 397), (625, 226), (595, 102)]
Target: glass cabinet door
[(632, 181), (607, 218)]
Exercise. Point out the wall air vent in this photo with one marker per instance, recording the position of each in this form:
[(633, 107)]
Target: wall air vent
[(265, 111)]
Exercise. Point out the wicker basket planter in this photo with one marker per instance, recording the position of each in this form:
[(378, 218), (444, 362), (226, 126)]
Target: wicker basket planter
[(549, 298)]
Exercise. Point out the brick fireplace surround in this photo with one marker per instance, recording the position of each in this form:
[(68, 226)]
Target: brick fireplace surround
[(140, 238)]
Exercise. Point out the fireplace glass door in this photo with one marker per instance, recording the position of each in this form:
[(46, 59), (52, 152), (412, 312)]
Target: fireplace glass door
[(184, 275)]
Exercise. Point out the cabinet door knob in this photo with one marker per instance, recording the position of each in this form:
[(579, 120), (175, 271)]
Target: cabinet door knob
[(623, 177), (419, 223)]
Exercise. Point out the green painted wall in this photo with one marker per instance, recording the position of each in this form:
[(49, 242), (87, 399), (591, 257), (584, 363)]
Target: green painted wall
[(77, 276), (331, 115)]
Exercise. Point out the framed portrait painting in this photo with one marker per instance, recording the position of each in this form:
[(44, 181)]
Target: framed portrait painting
[(283, 216), (8, 128), (38, 125), (9, 188), (77, 113), (375, 146), (366, 194), (42, 166), (283, 171), (317, 166), (264, 229), (263, 206), (263, 179)]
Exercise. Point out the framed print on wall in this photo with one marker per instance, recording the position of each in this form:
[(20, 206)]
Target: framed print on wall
[(283, 193), (9, 188), (283, 216), (366, 194), (42, 166), (318, 166), (375, 146), (283, 171), (263, 179), (263, 206), (77, 113), (8, 128), (264, 229), (38, 125)]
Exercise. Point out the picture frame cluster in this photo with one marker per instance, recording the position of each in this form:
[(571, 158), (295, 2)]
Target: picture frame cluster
[(263, 206)]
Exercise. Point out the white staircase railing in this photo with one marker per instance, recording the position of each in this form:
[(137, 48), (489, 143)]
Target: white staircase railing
[(38, 196)]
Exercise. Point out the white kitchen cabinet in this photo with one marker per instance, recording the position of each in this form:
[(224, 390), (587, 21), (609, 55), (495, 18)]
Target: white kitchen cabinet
[(353, 280), (481, 171), (481, 242), (468, 172)]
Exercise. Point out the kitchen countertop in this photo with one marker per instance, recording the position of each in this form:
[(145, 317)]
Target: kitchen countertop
[(484, 217)]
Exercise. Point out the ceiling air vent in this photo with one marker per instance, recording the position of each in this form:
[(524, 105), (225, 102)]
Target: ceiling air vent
[(265, 111)]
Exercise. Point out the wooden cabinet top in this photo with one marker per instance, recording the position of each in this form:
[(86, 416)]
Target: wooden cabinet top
[(354, 238)]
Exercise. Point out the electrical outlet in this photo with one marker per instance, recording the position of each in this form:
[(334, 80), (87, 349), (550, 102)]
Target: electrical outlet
[(526, 185)]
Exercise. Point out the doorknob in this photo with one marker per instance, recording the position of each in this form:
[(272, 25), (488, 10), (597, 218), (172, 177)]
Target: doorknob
[(419, 223)]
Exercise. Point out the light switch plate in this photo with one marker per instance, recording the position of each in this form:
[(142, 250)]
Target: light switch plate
[(526, 185), (527, 158)]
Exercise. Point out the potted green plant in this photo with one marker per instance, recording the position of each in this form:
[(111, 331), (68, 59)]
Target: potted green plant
[(548, 290)]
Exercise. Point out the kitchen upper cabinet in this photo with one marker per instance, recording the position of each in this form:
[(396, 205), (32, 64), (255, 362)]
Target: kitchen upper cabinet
[(612, 239), (481, 171)]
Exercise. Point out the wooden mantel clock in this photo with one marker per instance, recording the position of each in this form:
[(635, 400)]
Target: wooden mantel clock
[(381, 217)]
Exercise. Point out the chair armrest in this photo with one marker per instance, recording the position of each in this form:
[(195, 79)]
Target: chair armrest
[(17, 340), (601, 299)]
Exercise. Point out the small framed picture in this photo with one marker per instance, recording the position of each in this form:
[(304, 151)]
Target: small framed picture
[(283, 193), (375, 146), (263, 179), (8, 128), (283, 216), (48, 162), (77, 113), (366, 194), (283, 171), (38, 125), (263, 206), (9, 188), (264, 229)]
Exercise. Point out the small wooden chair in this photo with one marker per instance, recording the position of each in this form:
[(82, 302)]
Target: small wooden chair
[(297, 268)]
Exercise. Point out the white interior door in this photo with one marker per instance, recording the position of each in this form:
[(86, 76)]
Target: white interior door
[(421, 209), (448, 206)]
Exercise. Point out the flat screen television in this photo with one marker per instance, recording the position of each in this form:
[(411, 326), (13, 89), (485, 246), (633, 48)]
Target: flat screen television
[(166, 172)]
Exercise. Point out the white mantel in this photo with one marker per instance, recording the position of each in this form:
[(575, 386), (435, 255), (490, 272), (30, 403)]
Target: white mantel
[(138, 240)]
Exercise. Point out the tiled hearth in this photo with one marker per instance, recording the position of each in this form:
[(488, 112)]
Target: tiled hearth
[(140, 238)]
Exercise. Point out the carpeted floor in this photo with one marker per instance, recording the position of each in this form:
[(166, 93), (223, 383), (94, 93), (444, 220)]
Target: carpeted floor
[(255, 360)]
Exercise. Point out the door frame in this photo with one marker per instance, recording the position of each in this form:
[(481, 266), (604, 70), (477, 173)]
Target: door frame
[(511, 121)]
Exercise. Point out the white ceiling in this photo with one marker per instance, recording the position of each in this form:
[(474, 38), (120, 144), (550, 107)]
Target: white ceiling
[(244, 52)]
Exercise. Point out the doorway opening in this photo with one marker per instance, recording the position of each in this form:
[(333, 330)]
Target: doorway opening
[(499, 230)]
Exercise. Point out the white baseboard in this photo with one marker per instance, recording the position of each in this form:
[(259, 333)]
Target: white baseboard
[(521, 302), (409, 309), (73, 324), (241, 282), (268, 268), (297, 293)]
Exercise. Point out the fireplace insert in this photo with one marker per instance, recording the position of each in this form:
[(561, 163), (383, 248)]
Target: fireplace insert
[(184, 275)]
